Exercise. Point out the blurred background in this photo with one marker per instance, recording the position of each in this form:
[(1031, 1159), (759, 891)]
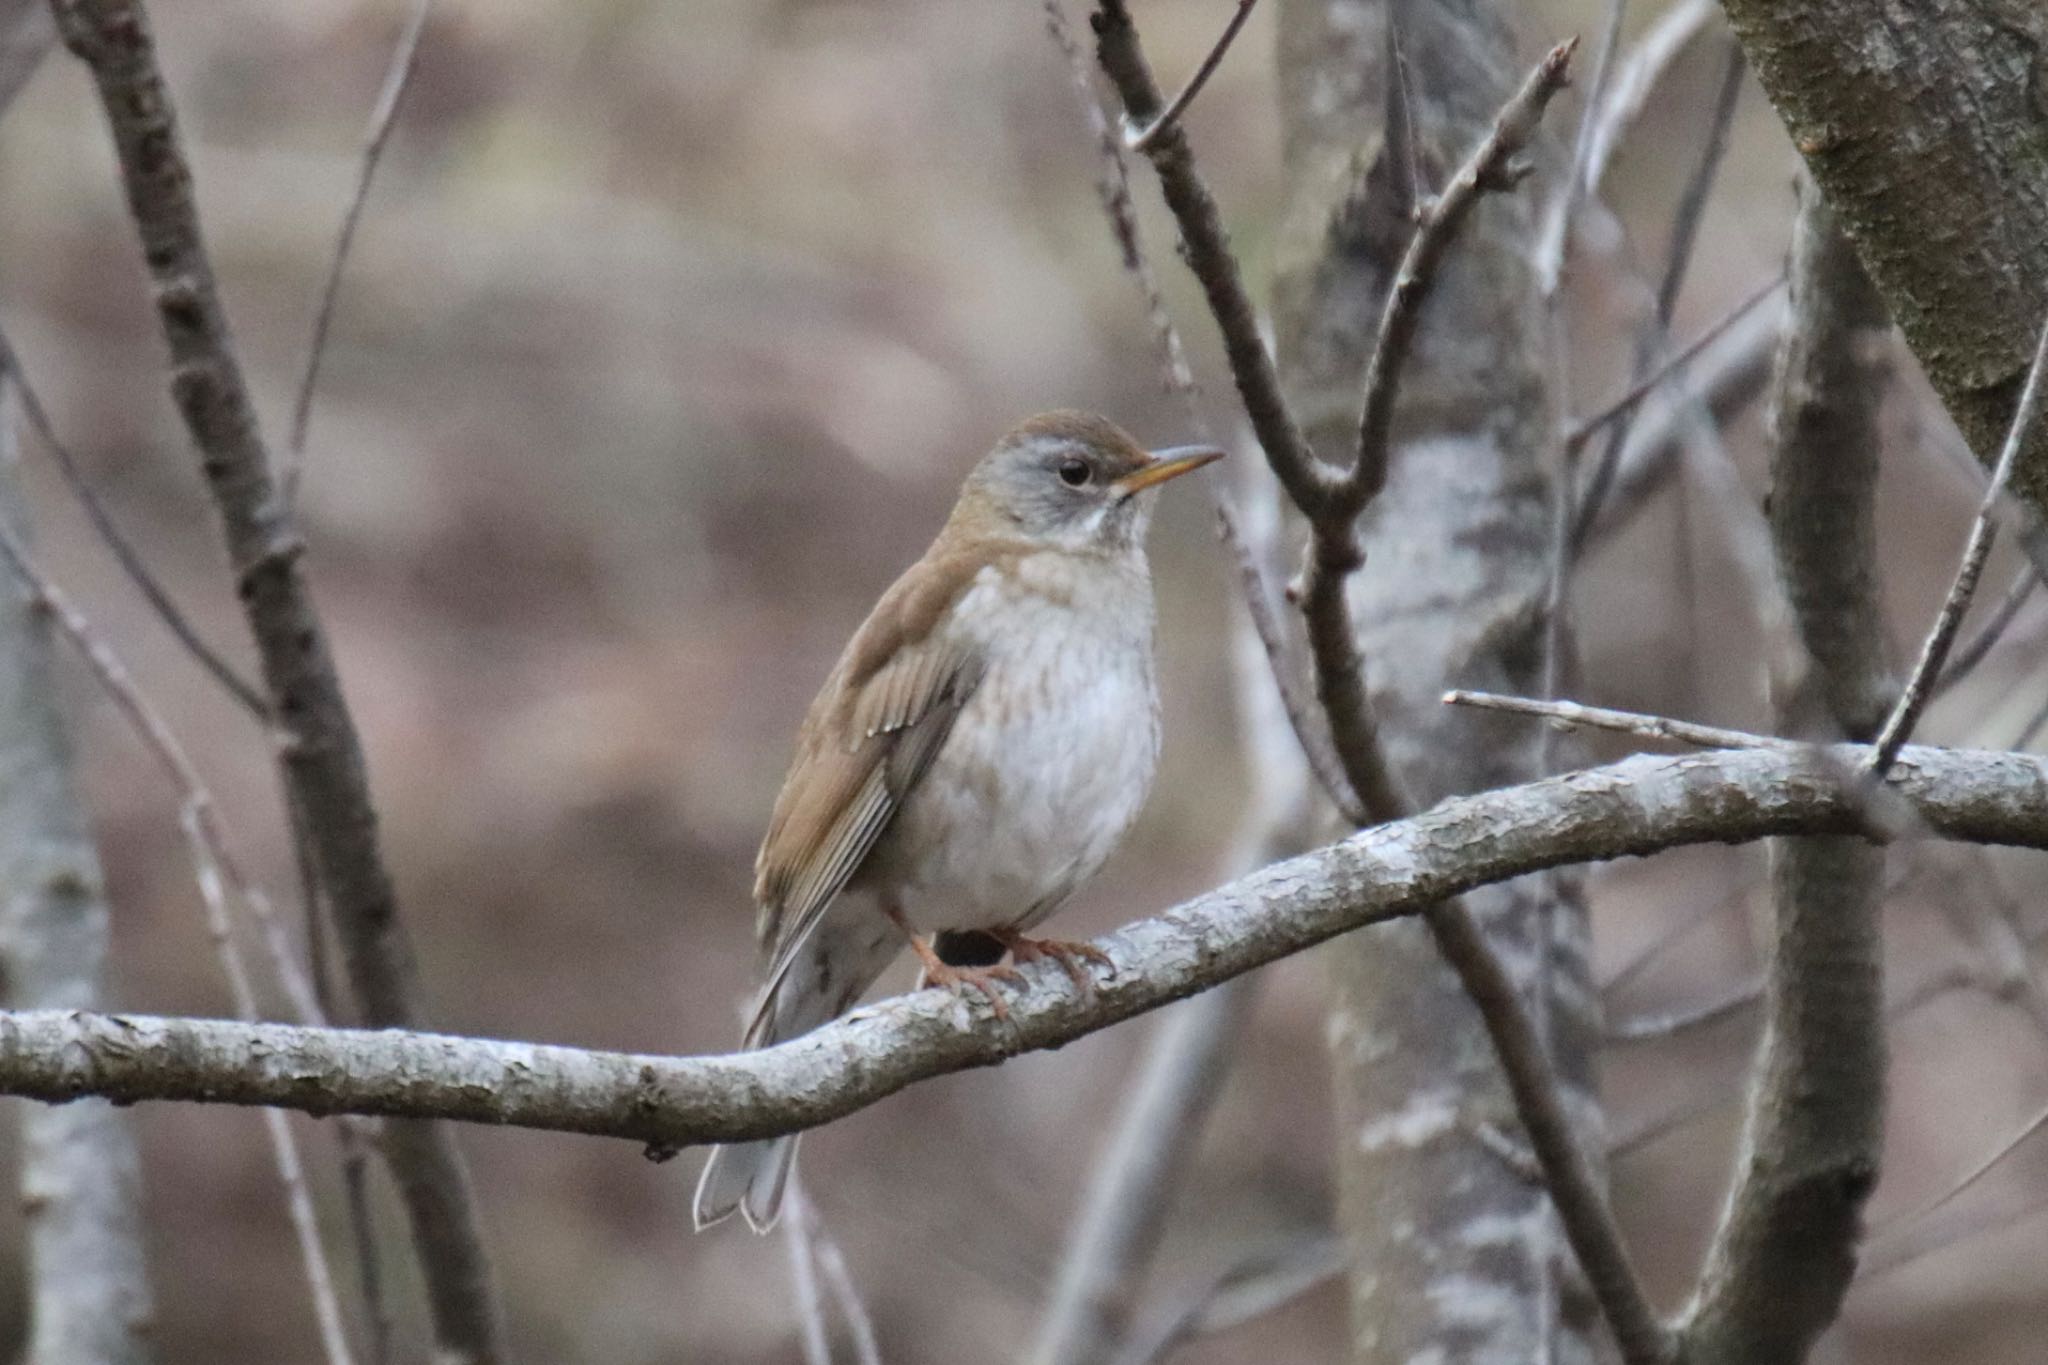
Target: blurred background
[(667, 338)]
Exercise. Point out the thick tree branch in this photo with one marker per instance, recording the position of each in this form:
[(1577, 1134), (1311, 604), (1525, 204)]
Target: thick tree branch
[(1924, 125), (1637, 806), (321, 751), (1785, 1250)]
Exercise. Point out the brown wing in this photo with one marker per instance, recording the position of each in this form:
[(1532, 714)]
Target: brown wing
[(872, 732)]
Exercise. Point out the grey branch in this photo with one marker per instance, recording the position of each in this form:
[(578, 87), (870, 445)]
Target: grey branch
[(1138, 139), (1638, 806), (322, 756), (89, 1294), (405, 60), (1785, 1251)]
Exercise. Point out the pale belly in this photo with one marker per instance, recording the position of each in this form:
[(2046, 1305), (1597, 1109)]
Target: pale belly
[(1040, 779)]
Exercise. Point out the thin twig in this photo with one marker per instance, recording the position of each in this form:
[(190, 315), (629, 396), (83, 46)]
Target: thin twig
[(806, 1300), (1655, 334), (1978, 647), (1725, 379), (1699, 186), (1553, 245), (1306, 477), (845, 1295), (125, 554), (1490, 167), (383, 117), (1261, 1283), (1898, 726), (1296, 702), (1636, 79), (1626, 722), (1137, 139), (1646, 1027), (2036, 723), (1695, 918), (1588, 427)]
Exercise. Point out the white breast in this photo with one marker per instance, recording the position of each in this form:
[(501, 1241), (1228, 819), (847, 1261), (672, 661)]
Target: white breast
[(1046, 766)]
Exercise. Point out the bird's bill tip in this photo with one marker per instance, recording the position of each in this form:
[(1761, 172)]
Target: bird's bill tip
[(1166, 464)]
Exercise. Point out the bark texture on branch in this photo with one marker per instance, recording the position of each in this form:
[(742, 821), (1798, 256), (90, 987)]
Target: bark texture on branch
[(1637, 806), (1927, 127), (322, 756), (1450, 1249), (89, 1295), (1785, 1251)]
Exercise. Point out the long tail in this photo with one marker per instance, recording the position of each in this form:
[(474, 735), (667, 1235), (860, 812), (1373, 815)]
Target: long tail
[(747, 1178), (840, 960)]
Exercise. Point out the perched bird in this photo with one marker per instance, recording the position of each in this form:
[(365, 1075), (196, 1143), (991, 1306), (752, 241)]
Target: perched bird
[(980, 748)]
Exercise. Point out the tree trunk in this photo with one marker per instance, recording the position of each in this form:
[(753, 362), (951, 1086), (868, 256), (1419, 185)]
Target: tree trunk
[(1454, 1249), (89, 1301)]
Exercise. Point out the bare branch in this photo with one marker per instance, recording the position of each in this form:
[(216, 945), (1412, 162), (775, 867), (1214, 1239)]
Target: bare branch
[(322, 752), (1635, 807), (1638, 77), (1978, 647), (125, 554), (1490, 167), (1673, 364), (1254, 1286), (1570, 713), (1138, 139), (1898, 726), (1645, 1028), (383, 117), (1307, 478), (1730, 373)]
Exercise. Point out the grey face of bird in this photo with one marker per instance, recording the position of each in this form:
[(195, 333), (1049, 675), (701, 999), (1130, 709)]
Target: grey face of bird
[(1081, 490)]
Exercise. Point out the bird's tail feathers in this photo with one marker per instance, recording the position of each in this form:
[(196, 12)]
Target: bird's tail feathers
[(747, 1178)]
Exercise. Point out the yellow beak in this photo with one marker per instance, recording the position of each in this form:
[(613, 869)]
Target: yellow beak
[(1166, 464)]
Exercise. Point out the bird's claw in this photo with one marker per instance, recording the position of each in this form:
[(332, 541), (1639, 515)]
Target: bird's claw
[(1070, 955)]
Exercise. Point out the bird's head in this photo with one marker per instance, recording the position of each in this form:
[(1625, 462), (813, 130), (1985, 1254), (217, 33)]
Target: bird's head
[(1071, 480)]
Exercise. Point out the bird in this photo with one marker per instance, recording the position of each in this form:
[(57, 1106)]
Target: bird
[(983, 744)]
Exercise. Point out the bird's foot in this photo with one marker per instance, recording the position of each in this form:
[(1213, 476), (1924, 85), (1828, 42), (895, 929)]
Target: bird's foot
[(961, 979), (1070, 955)]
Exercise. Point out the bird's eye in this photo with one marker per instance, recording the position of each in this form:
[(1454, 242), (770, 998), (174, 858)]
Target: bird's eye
[(1074, 473)]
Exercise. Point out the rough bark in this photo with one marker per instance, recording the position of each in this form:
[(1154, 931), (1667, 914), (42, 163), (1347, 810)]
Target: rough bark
[(1450, 1248), (89, 1297), (1927, 127), (1785, 1251)]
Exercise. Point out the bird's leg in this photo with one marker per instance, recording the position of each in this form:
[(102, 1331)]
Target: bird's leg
[(938, 973), (1068, 954)]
